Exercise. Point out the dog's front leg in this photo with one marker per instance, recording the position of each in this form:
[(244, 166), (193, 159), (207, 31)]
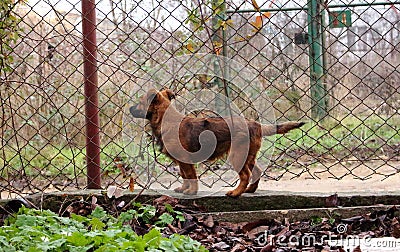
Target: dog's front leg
[(190, 183), (185, 185)]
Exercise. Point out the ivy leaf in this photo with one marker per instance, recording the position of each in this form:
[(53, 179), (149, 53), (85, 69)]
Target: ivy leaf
[(148, 213), (99, 213), (180, 216), (78, 239), (78, 218), (5, 245), (97, 224), (56, 244), (139, 245), (126, 217), (168, 245), (165, 219), (25, 220), (169, 208), (152, 238), (107, 248), (79, 248)]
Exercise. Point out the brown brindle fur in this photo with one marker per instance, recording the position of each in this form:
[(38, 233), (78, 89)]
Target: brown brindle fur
[(153, 106)]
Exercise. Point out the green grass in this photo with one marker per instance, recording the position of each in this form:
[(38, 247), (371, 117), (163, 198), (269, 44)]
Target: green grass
[(53, 160), (331, 137), (339, 137)]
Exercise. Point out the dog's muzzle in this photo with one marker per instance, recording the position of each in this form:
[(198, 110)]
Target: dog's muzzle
[(137, 113)]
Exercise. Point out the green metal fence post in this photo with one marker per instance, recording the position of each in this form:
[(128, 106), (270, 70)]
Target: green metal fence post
[(219, 13), (218, 39), (319, 94)]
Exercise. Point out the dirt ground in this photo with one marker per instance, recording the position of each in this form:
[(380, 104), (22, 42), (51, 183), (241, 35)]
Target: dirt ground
[(375, 176), (325, 183)]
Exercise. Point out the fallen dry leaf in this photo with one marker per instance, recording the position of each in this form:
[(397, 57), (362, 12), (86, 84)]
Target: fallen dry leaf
[(257, 24), (119, 163), (266, 15), (94, 202), (332, 201), (161, 201), (190, 47), (209, 221), (255, 5), (131, 184), (115, 191), (268, 248)]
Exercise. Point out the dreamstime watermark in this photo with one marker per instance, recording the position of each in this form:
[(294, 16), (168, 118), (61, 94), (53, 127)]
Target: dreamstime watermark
[(305, 240), (341, 228), (347, 242), (233, 91)]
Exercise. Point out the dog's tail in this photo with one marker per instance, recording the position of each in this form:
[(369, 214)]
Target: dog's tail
[(281, 128)]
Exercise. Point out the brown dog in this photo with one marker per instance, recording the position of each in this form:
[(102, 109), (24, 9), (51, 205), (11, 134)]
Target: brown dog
[(182, 138)]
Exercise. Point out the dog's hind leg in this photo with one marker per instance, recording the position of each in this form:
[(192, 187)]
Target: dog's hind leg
[(190, 183), (256, 173), (244, 175), (244, 172)]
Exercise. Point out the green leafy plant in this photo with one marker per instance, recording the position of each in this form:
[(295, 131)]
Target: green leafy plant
[(315, 220), (9, 33), (35, 230)]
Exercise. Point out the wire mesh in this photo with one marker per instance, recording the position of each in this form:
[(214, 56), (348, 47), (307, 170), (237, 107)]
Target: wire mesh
[(42, 98)]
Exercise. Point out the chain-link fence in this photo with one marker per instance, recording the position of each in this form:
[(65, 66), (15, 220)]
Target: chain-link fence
[(333, 64)]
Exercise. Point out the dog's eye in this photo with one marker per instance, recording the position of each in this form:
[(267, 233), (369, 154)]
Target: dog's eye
[(171, 95)]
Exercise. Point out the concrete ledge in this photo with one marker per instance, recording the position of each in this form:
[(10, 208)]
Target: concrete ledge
[(262, 200), (293, 214)]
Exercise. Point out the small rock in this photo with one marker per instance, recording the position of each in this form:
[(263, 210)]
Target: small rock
[(221, 246)]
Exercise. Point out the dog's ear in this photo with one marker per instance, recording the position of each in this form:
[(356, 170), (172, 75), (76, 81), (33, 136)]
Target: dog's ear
[(170, 93), (152, 95)]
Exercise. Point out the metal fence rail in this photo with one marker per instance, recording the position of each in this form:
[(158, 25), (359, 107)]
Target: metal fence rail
[(334, 64)]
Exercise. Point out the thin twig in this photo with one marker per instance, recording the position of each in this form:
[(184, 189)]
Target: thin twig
[(23, 197)]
